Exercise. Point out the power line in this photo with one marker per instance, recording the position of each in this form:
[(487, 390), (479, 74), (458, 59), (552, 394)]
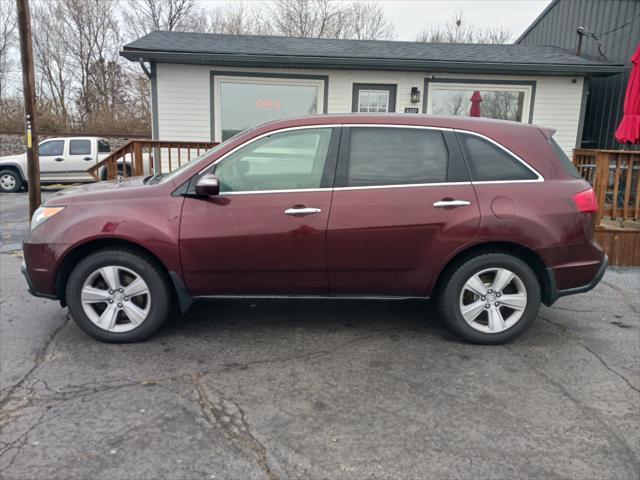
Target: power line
[(619, 26)]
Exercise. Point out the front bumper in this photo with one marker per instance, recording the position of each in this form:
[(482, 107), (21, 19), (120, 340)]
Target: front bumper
[(554, 294), (30, 288)]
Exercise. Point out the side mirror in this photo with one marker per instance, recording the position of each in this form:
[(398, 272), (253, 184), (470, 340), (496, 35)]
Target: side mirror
[(208, 185)]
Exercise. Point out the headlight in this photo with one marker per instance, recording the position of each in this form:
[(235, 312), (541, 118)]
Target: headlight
[(42, 213)]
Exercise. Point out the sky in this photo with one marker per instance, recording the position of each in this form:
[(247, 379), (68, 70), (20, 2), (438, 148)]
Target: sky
[(413, 16)]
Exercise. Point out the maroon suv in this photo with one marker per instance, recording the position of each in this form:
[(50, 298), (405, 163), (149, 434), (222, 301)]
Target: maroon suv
[(488, 217)]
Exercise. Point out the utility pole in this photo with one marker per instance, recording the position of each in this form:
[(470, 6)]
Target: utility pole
[(29, 83)]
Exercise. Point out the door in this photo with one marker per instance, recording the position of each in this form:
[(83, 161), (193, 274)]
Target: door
[(265, 233), (402, 203), (52, 161), (80, 157)]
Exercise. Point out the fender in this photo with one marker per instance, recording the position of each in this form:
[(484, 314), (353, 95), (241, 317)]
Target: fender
[(17, 166)]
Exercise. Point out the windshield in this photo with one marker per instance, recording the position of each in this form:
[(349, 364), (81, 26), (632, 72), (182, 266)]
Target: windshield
[(164, 177)]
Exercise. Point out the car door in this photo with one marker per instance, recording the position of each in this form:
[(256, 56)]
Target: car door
[(402, 203), (81, 156), (265, 233), (52, 162)]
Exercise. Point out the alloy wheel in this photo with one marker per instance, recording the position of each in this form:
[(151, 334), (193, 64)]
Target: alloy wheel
[(115, 298), (493, 300)]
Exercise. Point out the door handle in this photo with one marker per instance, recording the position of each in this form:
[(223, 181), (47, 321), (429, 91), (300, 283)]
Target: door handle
[(87, 158), (59, 159), (302, 211), (451, 203)]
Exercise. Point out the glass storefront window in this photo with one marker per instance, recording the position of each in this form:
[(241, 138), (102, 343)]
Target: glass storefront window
[(500, 103), (244, 104)]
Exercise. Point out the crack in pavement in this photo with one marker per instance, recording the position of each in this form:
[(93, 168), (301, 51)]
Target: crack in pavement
[(588, 412), (591, 351), (41, 357), (80, 391), (230, 417), (564, 329), (608, 312), (623, 294), (605, 365)]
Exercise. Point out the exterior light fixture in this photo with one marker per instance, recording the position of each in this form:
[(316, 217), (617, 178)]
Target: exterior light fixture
[(415, 95)]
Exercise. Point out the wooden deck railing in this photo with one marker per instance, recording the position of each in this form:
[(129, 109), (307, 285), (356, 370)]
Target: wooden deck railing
[(144, 157), (615, 176)]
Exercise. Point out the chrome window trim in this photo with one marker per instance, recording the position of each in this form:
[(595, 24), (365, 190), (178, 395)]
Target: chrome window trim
[(300, 190), (406, 185), (539, 176), (292, 190)]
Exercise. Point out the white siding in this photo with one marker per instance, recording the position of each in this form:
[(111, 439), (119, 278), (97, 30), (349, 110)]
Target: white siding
[(183, 102), (184, 97)]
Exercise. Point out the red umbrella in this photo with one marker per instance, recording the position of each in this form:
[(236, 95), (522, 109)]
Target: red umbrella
[(629, 129), (476, 98)]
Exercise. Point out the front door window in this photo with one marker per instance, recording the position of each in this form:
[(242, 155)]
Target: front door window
[(281, 161)]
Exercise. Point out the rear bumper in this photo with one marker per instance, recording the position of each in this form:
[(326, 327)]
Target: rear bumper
[(554, 293)]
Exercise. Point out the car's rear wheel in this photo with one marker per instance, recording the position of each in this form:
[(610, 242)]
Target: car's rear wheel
[(491, 298), (118, 296), (10, 181)]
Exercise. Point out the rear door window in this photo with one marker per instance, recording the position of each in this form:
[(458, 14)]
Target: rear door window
[(490, 163), (396, 156), (80, 147)]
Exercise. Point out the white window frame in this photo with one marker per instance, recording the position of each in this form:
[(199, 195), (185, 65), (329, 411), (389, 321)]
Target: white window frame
[(220, 79), (498, 87), (370, 91)]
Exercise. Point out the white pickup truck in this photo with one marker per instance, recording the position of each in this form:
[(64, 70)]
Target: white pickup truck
[(62, 160)]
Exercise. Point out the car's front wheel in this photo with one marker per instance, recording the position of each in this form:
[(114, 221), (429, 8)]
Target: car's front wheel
[(118, 296), (10, 181), (491, 298)]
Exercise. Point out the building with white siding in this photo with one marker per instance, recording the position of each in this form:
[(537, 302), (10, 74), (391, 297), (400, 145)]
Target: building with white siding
[(207, 87)]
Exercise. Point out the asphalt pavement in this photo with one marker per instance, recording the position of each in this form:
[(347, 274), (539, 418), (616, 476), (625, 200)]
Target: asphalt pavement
[(309, 389)]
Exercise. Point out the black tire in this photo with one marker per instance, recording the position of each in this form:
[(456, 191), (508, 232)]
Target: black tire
[(452, 288), (103, 175), (120, 171), (145, 267), (10, 181)]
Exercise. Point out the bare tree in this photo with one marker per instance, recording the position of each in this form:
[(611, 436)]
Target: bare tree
[(311, 18), (458, 30), (239, 19), (52, 61), (7, 43), (91, 37), (143, 16), (368, 22)]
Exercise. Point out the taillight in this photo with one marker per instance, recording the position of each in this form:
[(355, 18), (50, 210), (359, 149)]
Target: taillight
[(586, 201)]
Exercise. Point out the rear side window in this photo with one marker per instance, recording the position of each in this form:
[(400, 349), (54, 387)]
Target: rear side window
[(396, 156), (566, 163), (103, 146), (490, 163), (80, 147)]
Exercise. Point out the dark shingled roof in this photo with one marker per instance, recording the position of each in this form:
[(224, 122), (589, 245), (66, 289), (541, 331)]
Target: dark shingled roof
[(270, 51)]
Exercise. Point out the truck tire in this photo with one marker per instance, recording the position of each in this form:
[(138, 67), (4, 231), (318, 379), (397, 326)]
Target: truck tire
[(10, 181)]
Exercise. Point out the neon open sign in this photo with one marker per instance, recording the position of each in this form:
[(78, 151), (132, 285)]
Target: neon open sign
[(267, 104)]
